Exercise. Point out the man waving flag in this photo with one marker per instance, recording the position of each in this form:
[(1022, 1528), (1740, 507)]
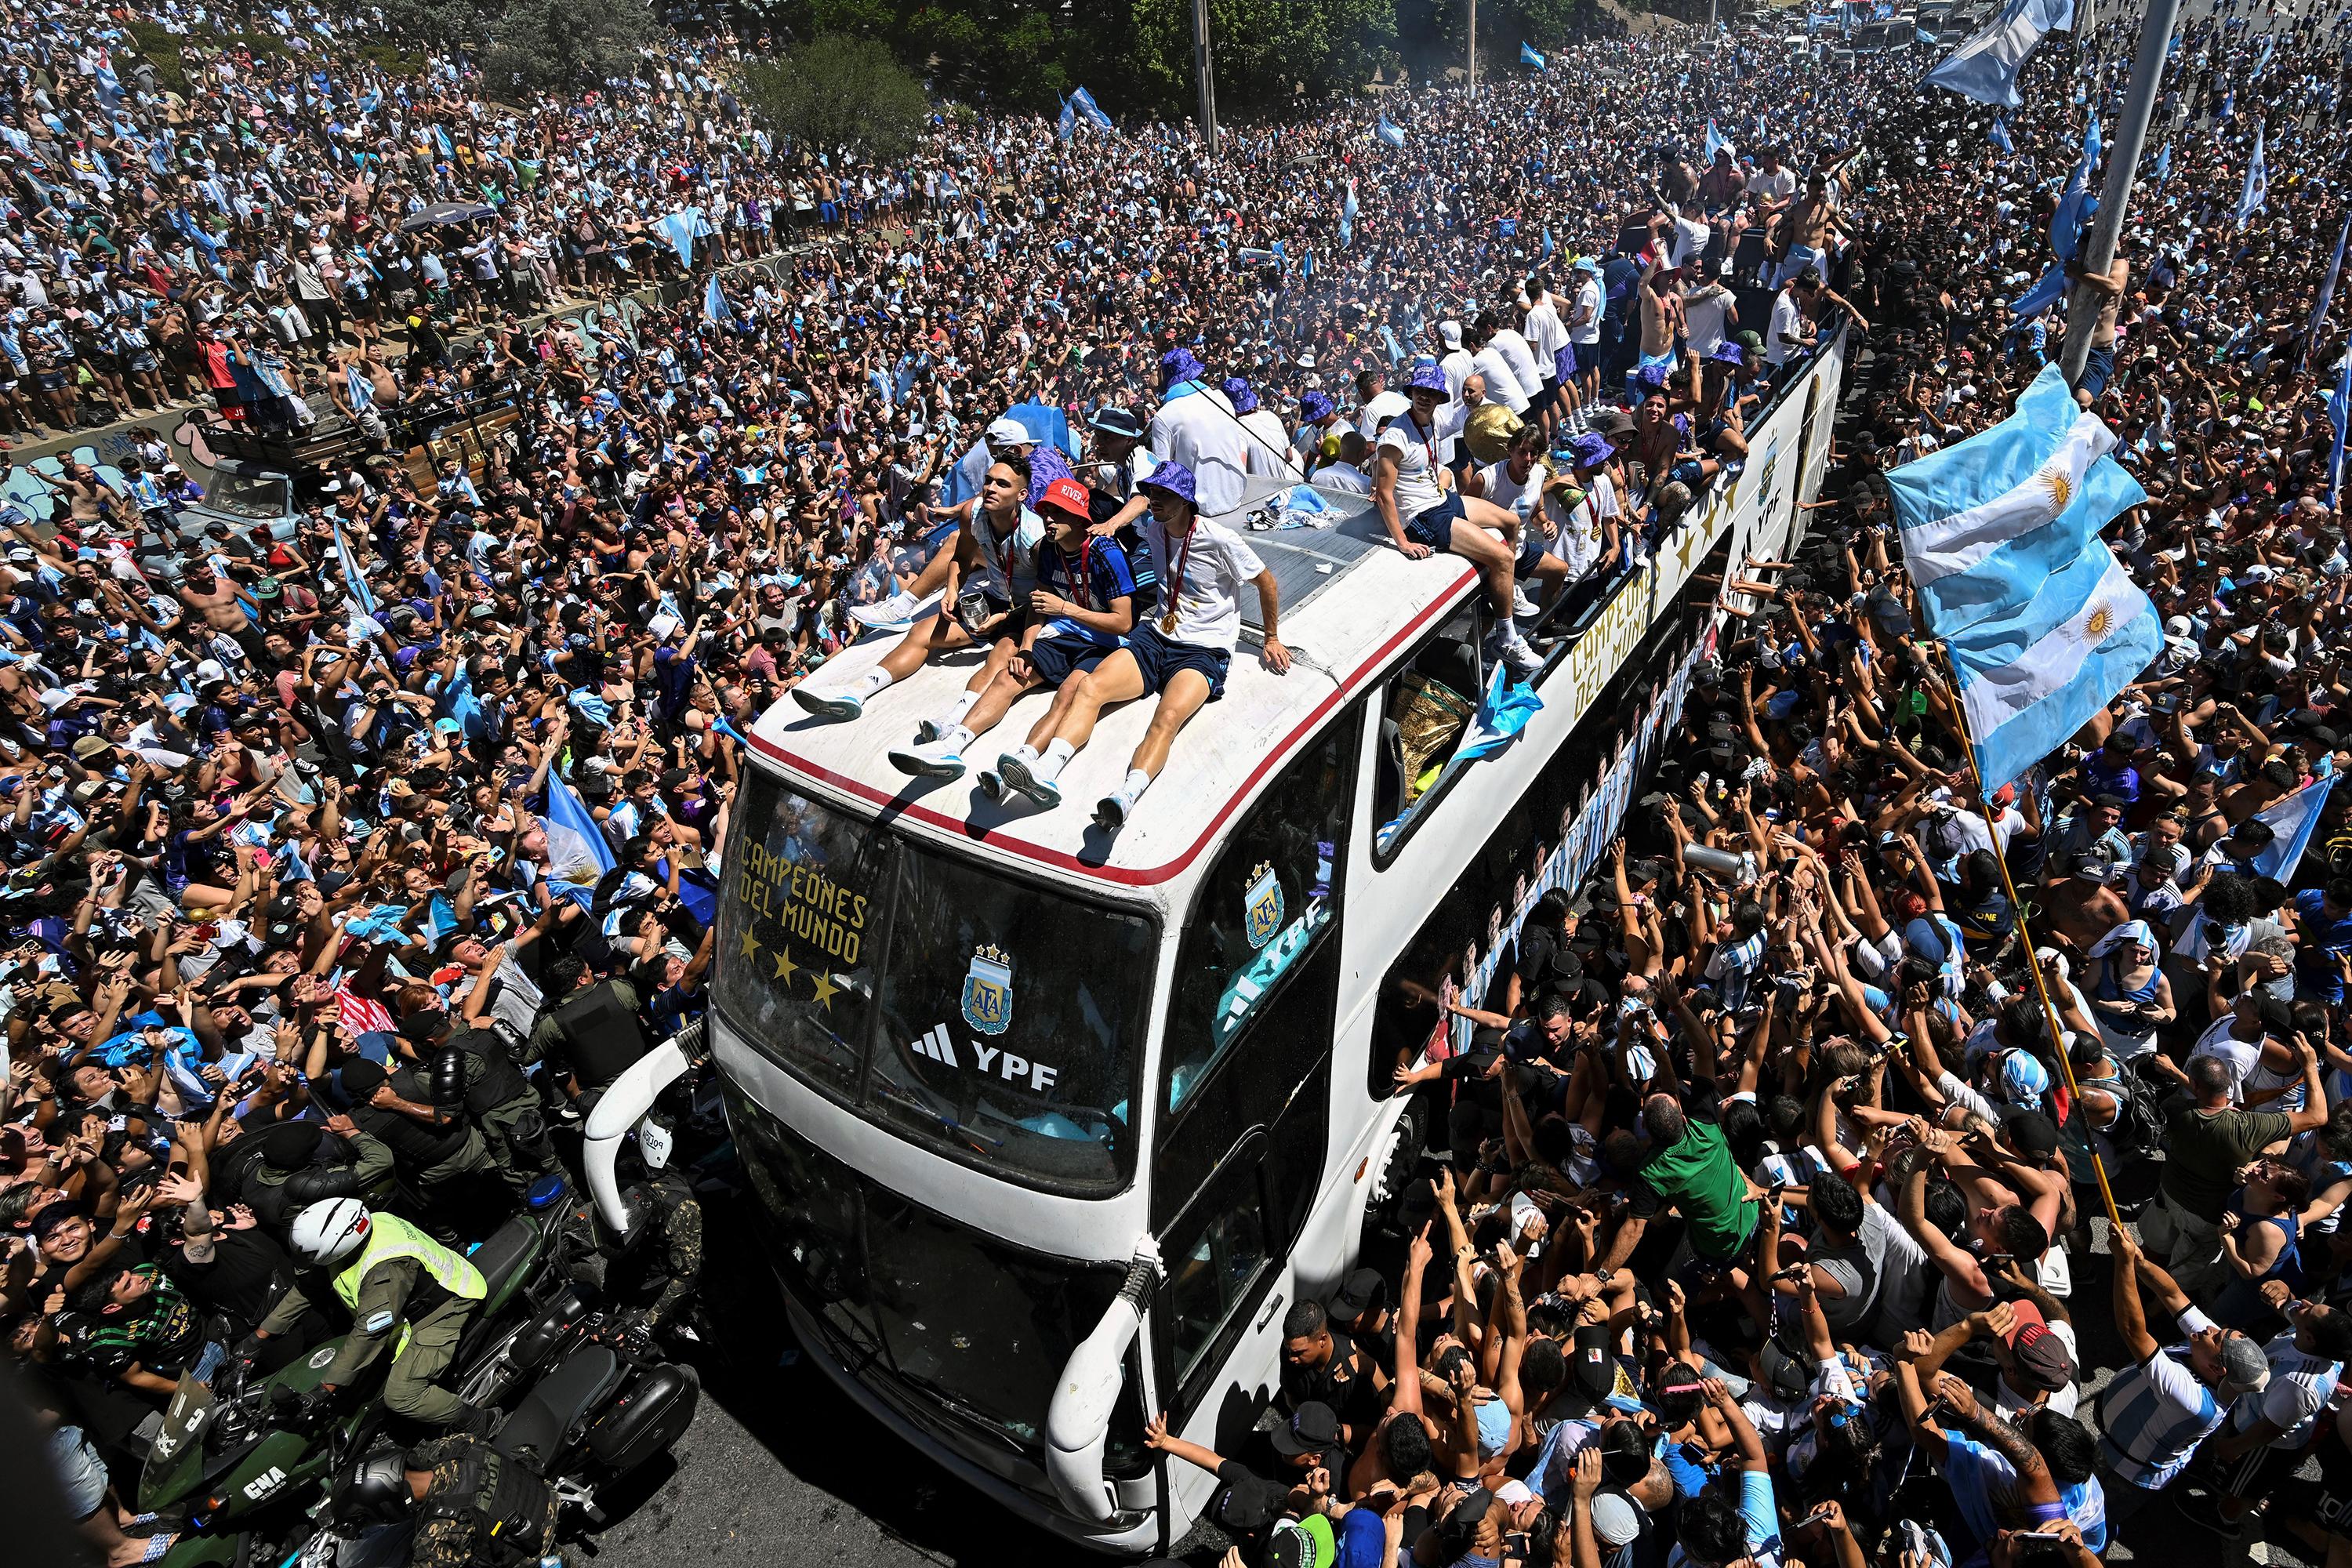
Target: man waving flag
[(2000, 533)]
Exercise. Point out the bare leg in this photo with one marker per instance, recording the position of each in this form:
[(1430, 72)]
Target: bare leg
[(1185, 696), (1115, 680), (1489, 555), (941, 634)]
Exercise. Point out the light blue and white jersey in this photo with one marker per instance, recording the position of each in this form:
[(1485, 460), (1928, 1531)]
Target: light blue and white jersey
[(2154, 1414)]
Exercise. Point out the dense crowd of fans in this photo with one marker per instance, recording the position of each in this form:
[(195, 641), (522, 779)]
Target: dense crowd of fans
[(1766, 1192)]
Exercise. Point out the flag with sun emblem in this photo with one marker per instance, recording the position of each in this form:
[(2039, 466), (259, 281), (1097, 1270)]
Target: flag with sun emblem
[(2000, 533)]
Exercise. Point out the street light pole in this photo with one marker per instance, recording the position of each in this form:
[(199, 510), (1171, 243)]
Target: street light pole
[(1203, 68), (2083, 301), (1474, 47)]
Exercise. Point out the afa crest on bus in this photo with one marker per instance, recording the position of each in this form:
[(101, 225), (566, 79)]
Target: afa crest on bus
[(988, 991)]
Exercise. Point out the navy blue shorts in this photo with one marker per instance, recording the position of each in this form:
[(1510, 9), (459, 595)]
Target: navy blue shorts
[(1056, 658), (1533, 547), (1435, 527), (1159, 659), (2098, 371)]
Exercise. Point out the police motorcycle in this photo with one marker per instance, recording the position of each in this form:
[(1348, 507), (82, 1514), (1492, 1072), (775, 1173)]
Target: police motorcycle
[(243, 1460)]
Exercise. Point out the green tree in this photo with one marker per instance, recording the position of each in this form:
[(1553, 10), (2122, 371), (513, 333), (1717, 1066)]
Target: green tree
[(552, 45), (838, 91), (1269, 53)]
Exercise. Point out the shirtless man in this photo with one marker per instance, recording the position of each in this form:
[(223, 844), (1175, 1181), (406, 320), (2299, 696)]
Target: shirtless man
[(206, 592), (1804, 235), (2109, 287)]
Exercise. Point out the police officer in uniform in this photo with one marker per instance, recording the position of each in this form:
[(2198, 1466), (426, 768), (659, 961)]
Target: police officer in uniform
[(651, 1270), (296, 1164), (474, 1506), (438, 1154), (589, 1033), (470, 1071), (386, 1273)]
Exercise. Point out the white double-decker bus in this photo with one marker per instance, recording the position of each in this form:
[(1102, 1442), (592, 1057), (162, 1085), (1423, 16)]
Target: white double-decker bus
[(1051, 1126)]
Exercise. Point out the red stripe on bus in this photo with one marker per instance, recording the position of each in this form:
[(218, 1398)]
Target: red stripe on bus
[(1147, 876)]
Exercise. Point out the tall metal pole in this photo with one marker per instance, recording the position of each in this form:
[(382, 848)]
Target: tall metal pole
[(1203, 68), (1474, 49), (2083, 302)]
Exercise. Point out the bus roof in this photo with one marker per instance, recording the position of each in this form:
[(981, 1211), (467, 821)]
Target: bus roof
[(1349, 606)]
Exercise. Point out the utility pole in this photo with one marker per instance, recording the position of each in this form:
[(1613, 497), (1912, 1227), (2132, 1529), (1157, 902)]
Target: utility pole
[(1474, 47), (2083, 301), (1203, 68)]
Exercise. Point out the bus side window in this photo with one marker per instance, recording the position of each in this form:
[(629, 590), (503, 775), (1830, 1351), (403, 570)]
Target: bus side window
[(1425, 710), (1214, 1274), (1272, 897)]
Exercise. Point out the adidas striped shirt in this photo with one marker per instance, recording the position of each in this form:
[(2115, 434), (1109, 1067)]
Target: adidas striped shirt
[(2154, 1414)]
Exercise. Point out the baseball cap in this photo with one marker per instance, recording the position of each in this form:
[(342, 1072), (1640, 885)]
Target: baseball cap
[(1616, 1518), (2041, 1356), (1301, 1543), (1067, 496), (1009, 433), (2244, 1368), (1312, 1427), (1783, 1369), (88, 747), (1358, 1294)]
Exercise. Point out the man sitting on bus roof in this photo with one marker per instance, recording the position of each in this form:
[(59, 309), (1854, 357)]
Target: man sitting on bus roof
[(1081, 610), (990, 571), (1181, 656), (1424, 513)]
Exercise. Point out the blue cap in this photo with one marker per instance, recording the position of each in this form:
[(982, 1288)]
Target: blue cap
[(1314, 406), (1591, 450), (1173, 478), (1179, 364), (1238, 391), (1426, 378), (1729, 352)]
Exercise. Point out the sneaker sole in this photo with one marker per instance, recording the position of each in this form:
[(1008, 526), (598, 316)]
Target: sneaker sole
[(989, 785), (1015, 774), (1109, 817), (927, 767), (827, 707)]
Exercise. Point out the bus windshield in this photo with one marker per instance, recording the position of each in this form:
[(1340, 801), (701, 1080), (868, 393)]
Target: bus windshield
[(970, 1012)]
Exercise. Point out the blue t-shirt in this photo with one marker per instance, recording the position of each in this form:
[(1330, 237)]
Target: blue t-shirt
[(1093, 576), (2325, 938)]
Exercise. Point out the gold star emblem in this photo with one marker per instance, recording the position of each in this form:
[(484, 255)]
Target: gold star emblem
[(786, 967), (751, 944), (826, 991)]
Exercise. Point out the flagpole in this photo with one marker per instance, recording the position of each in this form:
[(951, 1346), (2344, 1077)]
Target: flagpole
[(1474, 47), (2017, 914), (1202, 64), (2083, 302)]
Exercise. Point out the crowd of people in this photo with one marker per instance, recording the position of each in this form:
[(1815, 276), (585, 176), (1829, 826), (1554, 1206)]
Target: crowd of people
[(1766, 1181)]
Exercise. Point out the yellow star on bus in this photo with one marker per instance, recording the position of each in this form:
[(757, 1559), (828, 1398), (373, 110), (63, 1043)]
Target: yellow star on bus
[(751, 948), (786, 967), (826, 991)]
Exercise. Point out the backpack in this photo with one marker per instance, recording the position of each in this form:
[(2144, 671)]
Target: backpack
[(2140, 1123)]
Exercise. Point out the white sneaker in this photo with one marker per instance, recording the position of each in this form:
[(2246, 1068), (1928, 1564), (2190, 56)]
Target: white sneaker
[(989, 784), (1522, 659), (931, 760), (1110, 812), (839, 706), (1016, 777), (896, 612), (1521, 606)]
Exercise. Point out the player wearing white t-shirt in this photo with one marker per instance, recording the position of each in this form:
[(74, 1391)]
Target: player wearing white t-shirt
[(1523, 485), (1181, 655), (1413, 492)]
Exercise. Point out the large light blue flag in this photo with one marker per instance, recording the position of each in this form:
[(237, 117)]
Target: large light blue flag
[(356, 581), (1347, 216), (2327, 294), (1086, 105), (2339, 415), (1999, 135), (1391, 134), (2258, 183), (2291, 821), (577, 853), (1985, 67), (1715, 142), (1528, 57), (2270, 42), (1502, 713), (681, 228), (2164, 165), (2000, 532), (2075, 202), (1070, 121), (715, 308)]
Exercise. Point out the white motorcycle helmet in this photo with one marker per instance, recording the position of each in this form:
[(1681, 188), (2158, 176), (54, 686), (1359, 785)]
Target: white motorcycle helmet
[(330, 1230)]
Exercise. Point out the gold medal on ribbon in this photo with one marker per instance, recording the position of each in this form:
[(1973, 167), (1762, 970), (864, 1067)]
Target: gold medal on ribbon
[(1167, 623)]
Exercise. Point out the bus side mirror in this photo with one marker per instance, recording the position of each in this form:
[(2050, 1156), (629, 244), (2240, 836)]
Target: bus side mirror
[(1078, 1419)]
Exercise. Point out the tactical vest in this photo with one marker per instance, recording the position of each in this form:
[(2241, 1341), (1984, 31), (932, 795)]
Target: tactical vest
[(501, 1080), (506, 1505), (416, 1146), (602, 1037), (390, 1237)]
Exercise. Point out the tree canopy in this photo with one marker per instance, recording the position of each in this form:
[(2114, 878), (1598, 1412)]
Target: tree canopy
[(838, 91)]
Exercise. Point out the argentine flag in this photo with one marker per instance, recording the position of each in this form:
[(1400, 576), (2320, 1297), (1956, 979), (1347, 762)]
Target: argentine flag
[(1391, 134), (2001, 534), (2292, 821), (2258, 183), (1528, 57), (1985, 67), (1715, 142), (1999, 135)]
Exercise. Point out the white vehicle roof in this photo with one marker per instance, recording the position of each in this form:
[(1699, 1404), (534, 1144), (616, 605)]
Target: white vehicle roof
[(1350, 605)]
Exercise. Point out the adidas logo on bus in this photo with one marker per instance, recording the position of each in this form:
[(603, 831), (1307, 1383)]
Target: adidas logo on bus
[(938, 1046)]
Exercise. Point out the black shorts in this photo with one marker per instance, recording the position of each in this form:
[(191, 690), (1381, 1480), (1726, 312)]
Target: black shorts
[(1435, 527), (1159, 660), (1056, 658), (1547, 396)]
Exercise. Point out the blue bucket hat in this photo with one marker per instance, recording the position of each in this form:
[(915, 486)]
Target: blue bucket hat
[(1728, 352), (1244, 401), (1426, 378), (1173, 478), (1590, 450), (1179, 364), (1314, 406)]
